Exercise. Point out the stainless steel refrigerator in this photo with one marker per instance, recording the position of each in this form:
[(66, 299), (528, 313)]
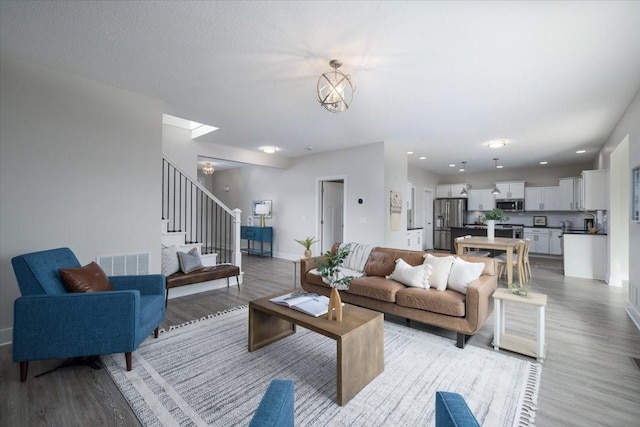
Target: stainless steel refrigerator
[(447, 213)]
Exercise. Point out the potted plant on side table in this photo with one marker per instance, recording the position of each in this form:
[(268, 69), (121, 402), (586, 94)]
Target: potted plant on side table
[(490, 219), (329, 269), (307, 243)]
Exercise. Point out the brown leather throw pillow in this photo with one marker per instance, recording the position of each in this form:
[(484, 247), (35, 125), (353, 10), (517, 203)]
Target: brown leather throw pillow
[(89, 278)]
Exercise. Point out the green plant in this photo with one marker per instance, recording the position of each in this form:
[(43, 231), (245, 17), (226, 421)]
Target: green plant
[(307, 242), (329, 267), (495, 215)]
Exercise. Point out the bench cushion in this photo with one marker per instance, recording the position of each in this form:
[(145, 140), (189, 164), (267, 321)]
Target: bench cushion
[(220, 271)]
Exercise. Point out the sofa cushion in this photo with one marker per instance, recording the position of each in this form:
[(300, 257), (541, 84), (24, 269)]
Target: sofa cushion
[(169, 260), (382, 261), (189, 261), (314, 278), (409, 275), (463, 273), (375, 287), (89, 278), (441, 268), (448, 302)]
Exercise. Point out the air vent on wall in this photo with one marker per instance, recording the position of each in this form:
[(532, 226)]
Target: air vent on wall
[(125, 264)]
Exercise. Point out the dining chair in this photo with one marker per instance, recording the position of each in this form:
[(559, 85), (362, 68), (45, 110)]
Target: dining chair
[(518, 261)]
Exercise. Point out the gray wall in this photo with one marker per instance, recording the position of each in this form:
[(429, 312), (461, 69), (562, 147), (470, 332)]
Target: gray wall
[(79, 167)]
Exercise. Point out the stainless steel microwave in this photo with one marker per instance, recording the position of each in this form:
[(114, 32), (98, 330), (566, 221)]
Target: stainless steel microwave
[(516, 205)]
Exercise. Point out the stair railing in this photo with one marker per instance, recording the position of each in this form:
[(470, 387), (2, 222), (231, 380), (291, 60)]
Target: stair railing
[(190, 208)]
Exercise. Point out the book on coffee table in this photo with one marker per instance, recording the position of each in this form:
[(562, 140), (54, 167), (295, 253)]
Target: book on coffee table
[(306, 302)]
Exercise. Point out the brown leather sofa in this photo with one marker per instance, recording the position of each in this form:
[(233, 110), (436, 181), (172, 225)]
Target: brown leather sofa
[(449, 309)]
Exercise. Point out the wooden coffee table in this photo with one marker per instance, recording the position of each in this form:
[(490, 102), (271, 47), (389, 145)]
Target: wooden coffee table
[(359, 338)]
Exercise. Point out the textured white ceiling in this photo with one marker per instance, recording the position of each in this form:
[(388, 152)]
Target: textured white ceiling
[(437, 78)]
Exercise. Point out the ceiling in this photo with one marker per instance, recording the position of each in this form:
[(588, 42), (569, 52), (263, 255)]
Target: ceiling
[(436, 78)]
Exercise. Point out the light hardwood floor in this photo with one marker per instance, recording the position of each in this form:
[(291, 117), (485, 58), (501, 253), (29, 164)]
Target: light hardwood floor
[(588, 378)]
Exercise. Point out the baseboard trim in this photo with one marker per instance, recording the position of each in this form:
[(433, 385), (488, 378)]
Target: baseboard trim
[(6, 336), (634, 314)]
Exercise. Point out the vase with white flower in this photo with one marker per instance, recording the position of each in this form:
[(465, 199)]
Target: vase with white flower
[(493, 216)]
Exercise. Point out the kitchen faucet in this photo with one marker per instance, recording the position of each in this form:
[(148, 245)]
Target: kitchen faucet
[(595, 219)]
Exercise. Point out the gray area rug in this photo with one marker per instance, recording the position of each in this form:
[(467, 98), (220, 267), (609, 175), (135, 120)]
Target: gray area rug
[(201, 373)]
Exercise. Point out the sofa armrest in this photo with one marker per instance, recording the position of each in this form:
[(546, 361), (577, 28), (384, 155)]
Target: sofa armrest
[(277, 407), (151, 284), (65, 325), (478, 304)]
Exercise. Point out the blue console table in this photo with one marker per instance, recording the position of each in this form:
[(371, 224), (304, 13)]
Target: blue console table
[(255, 235)]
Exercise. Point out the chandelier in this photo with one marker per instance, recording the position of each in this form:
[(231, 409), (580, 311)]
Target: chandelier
[(335, 89), (207, 169)]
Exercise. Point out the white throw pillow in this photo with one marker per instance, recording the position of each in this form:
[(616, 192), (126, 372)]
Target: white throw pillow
[(440, 269), (169, 261), (463, 273), (408, 275)]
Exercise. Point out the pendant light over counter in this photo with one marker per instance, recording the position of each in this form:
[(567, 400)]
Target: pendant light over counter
[(495, 190), (464, 191)]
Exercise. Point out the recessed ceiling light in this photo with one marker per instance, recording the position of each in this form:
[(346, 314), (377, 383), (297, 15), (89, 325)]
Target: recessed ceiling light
[(461, 170), (496, 143), (499, 166), (544, 163), (581, 151), (269, 150), (422, 158), (452, 165), (409, 152)]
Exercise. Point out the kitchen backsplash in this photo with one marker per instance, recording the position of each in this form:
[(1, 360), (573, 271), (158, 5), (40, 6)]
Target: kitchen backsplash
[(554, 219)]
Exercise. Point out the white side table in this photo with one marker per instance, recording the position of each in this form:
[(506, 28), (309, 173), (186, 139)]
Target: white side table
[(534, 348)]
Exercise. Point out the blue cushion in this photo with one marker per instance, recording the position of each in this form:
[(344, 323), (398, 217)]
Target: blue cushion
[(276, 407), (452, 411)]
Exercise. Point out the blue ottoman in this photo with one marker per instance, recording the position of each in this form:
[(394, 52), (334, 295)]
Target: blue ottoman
[(452, 411), (276, 407)]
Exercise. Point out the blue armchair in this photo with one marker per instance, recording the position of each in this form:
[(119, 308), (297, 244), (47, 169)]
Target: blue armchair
[(51, 323), (277, 407)]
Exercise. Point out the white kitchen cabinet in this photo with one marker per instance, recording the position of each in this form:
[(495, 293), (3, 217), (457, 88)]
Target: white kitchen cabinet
[(555, 242), (450, 191), (595, 188), (570, 194), (542, 199), (414, 239), (510, 190), (539, 239), (481, 200)]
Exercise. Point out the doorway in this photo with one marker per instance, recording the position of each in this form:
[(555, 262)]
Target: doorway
[(331, 212)]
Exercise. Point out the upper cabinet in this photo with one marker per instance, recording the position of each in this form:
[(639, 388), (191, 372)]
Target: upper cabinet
[(481, 200), (542, 199), (571, 194), (510, 190), (450, 191), (595, 189)]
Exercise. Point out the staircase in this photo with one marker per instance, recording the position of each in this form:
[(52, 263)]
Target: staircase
[(193, 217)]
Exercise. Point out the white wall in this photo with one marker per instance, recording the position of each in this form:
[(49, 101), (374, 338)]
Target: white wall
[(79, 167), (395, 179), (629, 125), (295, 198)]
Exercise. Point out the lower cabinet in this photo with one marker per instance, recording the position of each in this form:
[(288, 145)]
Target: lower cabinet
[(540, 240), (414, 239), (555, 242)]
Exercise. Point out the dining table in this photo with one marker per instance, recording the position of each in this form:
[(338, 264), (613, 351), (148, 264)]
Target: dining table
[(499, 243)]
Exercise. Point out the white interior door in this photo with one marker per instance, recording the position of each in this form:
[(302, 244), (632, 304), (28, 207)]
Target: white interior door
[(332, 213), (427, 239)]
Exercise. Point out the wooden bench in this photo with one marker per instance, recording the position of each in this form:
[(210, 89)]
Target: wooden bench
[(204, 274)]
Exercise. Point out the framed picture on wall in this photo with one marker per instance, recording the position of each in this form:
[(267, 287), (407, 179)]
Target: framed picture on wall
[(635, 194), (540, 221), (269, 205)]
